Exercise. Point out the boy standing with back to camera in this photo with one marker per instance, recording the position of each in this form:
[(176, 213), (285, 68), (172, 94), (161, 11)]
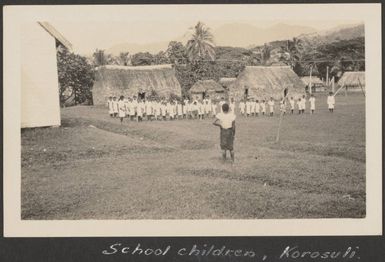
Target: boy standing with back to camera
[(226, 121)]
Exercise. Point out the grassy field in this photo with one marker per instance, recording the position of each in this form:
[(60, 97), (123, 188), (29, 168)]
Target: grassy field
[(94, 168)]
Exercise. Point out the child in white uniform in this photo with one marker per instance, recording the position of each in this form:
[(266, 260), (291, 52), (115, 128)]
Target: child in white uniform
[(110, 107), (121, 108), (312, 103), (115, 107), (263, 107), (271, 106), (292, 105), (331, 102), (242, 107)]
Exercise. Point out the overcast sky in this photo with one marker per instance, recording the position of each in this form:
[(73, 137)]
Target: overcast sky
[(88, 28)]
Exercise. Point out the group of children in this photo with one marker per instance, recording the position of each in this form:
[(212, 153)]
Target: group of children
[(137, 109), (251, 107)]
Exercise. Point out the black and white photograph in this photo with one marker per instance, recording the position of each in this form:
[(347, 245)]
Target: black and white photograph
[(194, 116)]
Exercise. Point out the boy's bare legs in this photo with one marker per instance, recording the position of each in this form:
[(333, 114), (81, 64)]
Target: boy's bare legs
[(223, 155), (232, 155)]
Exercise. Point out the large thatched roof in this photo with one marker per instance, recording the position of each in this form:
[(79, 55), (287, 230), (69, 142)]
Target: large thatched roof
[(267, 81), (352, 79), (314, 80), (130, 80), (206, 86)]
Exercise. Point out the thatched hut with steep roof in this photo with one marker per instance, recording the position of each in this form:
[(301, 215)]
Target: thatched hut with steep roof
[(143, 81), (265, 82), (317, 84), (204, 88), (353, 81)]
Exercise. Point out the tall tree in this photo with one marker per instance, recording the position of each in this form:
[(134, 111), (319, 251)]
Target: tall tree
[(201, 45), (124, 58), (176, 52), (100, 58), (76, 78), (142, 58)]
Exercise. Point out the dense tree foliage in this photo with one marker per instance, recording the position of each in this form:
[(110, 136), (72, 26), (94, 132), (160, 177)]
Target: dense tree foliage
[(142, 58), (76, 78), (200, 59)]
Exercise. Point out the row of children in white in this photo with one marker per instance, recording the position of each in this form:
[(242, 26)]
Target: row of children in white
[(133, 107), (196, 108), (255, 106)]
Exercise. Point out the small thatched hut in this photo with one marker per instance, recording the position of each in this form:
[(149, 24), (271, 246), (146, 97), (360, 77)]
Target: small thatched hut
[(131, 81), (317, 84), (227, 81), (266, 82), (204, 88), (353, 81)]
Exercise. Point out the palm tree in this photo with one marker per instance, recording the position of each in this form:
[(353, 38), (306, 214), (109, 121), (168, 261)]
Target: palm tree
[(201, 45)]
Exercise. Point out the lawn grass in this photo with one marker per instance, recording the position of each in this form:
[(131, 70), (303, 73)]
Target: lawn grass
[(94, 168)]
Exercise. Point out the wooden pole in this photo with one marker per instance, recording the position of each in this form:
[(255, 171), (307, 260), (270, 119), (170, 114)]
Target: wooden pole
[(281, 117), (327, 76), (310, 85), (339, 89), (333, 84)]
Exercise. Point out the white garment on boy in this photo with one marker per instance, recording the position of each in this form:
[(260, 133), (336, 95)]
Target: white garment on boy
[(122, 108), (299, 104), (291, 104), (163, 107), (115, 106), (248, 107), (312, 103), (252, 107), (135, 105), (303, 103), (170, 110), (207, 108), (263, 106), (213, 109), (331, 101), (242, 107), (271, 106), (110, 107), (131, 108), (226, 119), (257, 107), (140, 108), (201, 108), (148, 108), (179, 109)]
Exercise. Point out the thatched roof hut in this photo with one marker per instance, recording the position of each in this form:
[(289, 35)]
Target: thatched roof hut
[(265, 82), (132, 80), (227, 81), (314, 80), (317, 84), (353, 80), (203, 88)]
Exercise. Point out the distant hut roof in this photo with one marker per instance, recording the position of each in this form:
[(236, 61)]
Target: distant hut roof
[(314, 80), (353, 79), (206, 86), (54, 33), (129, 80), (226, 81), (268, 81)]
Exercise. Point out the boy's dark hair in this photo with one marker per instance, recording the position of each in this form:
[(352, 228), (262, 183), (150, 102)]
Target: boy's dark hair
[(225, 107)]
